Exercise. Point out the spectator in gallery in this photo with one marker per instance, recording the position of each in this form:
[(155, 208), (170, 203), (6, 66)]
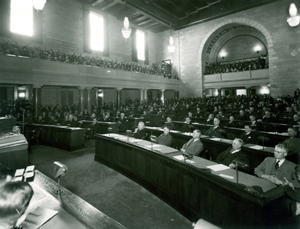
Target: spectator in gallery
[(194, 146), (140, 131), (276, 169), (253, 122), (234, 156), (164, 139), (122, 122)]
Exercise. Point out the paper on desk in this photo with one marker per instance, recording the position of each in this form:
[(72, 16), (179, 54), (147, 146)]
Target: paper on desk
[(256, 147), (38, 217), (218, 167), (181, 158)]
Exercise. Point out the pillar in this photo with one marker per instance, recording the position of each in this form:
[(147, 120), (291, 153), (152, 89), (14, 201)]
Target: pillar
[(162, 96), (81, 99), (119, 97), (145, 94), (89, 100), (141, 95), (36, 99)]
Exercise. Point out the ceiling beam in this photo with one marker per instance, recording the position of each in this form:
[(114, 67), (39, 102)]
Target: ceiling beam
[(97, 2), (150, 25), (145, 21), (109, 5)]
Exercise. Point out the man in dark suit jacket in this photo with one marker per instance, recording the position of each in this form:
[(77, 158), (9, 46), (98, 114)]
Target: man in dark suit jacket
[(215, 130), (187, 125), (234, 155), (248, 136), (163, 139), (140, 131), (169, 124), (276, 169), (194, 146), (292, 143)]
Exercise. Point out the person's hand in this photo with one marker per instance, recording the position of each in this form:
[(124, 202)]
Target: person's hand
[(275, 180), (267, 177), (136, 129), (182, 149), (286, 182)]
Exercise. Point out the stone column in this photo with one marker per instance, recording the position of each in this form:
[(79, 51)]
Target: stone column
[(145, 94), (81, 99), (36, 99), (119, 97), (88, 99), (162, 96)]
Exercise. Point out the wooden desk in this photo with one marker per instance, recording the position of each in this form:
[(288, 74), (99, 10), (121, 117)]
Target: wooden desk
[(190, 187), (7, 124), (62, 137), (13, 151), (102, 127), (73, 212), (215, 146)]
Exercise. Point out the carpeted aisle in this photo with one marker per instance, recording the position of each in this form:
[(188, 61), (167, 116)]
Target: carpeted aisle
[(107, 190)]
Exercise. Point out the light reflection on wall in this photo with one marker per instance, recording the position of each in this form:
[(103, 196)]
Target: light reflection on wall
[(264, 90)]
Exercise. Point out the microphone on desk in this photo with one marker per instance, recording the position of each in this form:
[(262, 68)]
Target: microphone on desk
[(237, 164)]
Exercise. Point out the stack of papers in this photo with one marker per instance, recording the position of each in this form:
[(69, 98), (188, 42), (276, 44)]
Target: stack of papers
[(218, 167)]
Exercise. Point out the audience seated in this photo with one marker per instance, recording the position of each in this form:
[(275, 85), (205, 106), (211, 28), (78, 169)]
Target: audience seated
[(164, 139), (194, 146), (248, 136), (140, 131)]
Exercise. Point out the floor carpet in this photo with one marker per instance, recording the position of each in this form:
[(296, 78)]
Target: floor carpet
[(109, 191)]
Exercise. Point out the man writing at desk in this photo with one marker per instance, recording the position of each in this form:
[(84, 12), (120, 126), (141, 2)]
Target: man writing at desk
[(276, 169), (234, 155), (140, 131), (193, 146), (163, 139)]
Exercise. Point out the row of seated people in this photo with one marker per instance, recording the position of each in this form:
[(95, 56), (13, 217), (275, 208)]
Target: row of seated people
[(276, 169), (7, 47), (246, 65)]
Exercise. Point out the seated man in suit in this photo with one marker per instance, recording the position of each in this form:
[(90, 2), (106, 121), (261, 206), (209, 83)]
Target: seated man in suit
[(231, 122), (292, 143), (169, 124), (215, 130), (122, 122), (234, 155), (163, 139), (276, 169), (194, 146), (187, 125), (248, 136), (140, 131)]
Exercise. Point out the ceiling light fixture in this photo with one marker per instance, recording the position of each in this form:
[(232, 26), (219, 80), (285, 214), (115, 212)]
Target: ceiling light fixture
[(294, 18), (38, 4), (171, 46), (126, 31)]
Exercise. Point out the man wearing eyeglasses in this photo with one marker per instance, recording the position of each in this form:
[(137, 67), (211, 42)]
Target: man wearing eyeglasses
[(276, 169)]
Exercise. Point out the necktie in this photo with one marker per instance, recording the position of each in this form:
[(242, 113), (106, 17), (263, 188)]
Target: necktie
[(277, 164), (189, 143)]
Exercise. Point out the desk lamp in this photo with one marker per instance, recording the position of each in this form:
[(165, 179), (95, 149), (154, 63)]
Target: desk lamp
[(59, 170)]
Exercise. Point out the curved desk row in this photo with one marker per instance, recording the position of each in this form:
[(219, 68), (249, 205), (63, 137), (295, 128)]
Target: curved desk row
[(188, 185), (215, 146), (232, 132)]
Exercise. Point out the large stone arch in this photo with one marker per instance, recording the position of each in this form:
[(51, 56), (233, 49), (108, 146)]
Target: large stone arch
[(231, 22)]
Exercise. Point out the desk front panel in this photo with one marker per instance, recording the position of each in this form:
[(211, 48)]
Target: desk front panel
[(67, 138), (190, 189)]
